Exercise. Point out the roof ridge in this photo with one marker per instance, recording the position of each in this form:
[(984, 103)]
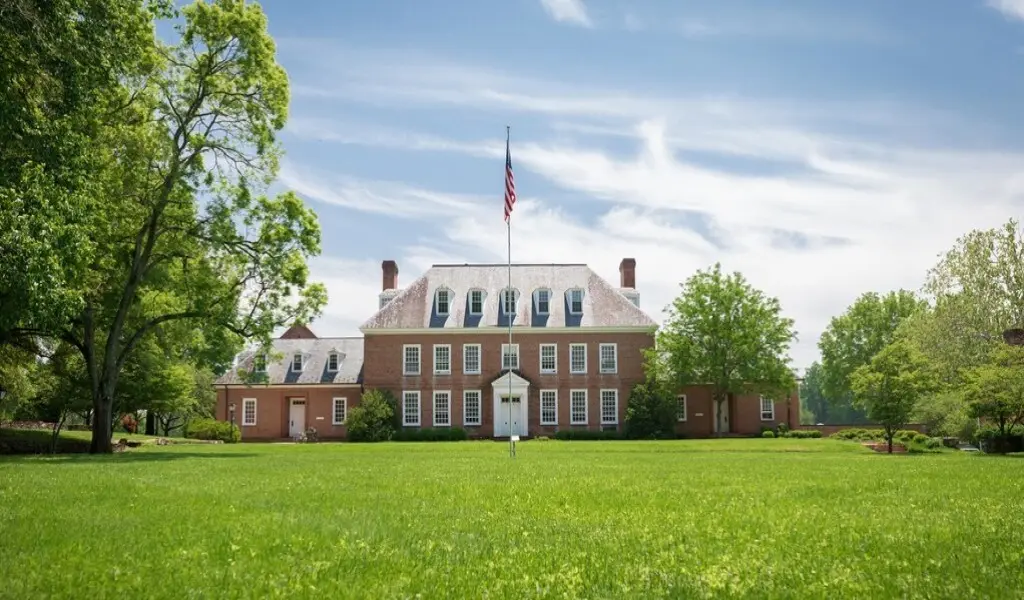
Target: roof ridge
[(506, 264)]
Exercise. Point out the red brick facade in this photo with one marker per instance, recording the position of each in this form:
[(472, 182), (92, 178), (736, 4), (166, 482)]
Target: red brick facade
[(273, 405), (744, 412)]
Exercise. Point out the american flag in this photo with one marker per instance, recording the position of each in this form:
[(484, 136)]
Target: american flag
[(510, 184)]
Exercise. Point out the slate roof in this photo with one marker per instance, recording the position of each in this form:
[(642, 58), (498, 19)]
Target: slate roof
[(314, 370), (603, 304)]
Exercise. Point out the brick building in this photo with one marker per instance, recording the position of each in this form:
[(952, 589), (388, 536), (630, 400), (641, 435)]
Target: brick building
[(441, 345)]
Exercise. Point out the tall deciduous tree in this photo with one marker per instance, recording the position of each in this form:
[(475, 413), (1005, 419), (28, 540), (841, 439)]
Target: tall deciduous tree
[(186, 233), (852, 339), (723, 332), (995, 390), (891, 384)]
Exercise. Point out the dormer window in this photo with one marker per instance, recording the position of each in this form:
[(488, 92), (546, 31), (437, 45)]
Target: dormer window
[(476, 302), (442, 301), (259, 363), (575, 301), (297, 362), (332, 361), (542, 300), (508, 300)]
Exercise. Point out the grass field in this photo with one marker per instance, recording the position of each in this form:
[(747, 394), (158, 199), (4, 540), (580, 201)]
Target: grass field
[(686, 519)]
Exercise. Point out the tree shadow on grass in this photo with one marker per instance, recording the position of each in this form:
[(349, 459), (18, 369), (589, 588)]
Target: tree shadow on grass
[(118, 458)]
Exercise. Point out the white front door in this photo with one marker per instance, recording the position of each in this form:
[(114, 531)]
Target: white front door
[(509, 417), (297, 417), (725, 416)]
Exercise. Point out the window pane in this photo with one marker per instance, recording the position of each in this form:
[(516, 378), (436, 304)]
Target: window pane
[(548, 407), (471, 402), (442, 408), (609, 406), (471, 358), (578, 407)]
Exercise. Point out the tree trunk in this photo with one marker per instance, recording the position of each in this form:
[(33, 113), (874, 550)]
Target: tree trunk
[(890, 444), (151, 421), (102, 429)]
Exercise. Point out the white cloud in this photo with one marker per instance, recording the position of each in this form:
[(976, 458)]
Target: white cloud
[(568, 11), (1011, 8), (857, 213)]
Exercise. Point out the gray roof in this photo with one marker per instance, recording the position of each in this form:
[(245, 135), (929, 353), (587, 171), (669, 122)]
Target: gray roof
[(603, 304), (314, 357)]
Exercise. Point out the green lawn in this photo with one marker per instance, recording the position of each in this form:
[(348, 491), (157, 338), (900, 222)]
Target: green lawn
[(685, 519)]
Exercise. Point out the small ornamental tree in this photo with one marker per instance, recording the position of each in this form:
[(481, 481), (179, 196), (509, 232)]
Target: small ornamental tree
[(373, 420), (651, 412), (995, 391), (891, 384)]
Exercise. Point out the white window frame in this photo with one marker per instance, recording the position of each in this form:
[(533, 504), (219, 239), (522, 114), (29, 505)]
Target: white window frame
[(615, 357), (246, 402), (406, 394), (771, 413), (448, 408), (536, 300), (681, 418), (479, 408), (504, 301), (298, 369), (448, 301), (554, 355), (479, 359), (553, 394), (570, 293), (333, 356), (586, 408), (515, 352), (334, 411), (476, 313), (447, 347), (615, 418), (571, 370), (405, 360), (259, 363)]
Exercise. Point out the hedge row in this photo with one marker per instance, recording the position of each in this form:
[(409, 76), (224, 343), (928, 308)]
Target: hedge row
[(436, 434), (211, 429)]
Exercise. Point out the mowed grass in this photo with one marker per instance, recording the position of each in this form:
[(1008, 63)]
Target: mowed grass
[(684, 519)]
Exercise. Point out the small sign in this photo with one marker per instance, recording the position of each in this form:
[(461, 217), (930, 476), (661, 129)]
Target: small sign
[(515, 438), (319, 418), (698, 414)]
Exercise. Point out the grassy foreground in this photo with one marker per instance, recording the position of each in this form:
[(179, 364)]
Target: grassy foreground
[(686, 519)]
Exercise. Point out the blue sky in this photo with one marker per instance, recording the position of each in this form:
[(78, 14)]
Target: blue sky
[(824, 149)]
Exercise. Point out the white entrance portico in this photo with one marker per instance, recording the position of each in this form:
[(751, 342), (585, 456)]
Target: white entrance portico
[(508, 423)]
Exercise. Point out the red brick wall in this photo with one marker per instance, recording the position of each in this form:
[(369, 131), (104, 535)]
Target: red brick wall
[(744, 413), (272, 407), (383, 370)]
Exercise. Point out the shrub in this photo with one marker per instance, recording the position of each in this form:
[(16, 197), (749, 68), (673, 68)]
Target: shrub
[(768, 433), (586, 434), (435, 434), (37, 441), (933, 443), (373, 420), (804, 433), (989, 439), (212, 429), (651, 412)]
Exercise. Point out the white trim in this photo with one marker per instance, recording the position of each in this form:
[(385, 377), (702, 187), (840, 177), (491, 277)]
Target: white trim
[(536, 300), (469, 302), (600, 358), (762, 411), (586, 407), (503, 304), (540, 361), (334, 411), (500, 329), (479, 408), (242, 386), (512, 347), (337, 362), (255, 411), (685, 408), (419, 359), (615, 419), (568, 300), (419, 408), (433, 408), (479, 359), (302, 362), (584, 371), (542, 421), (447, 371), (437, 301)]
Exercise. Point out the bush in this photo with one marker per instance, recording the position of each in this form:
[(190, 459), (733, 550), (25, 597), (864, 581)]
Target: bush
[(768, 433), (435, 434), (804, 433), (933, 443), (373, 420), (651, 412), (37, 441), (989, 440), (586, 434), (212, 429)]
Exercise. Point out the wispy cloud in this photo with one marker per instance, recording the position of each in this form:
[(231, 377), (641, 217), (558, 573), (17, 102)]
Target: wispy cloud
[(568, 11), (1011, 8)]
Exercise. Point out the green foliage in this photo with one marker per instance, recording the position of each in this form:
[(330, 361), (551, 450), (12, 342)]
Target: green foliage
[(852, 339), (803, 433), (995, 440), (373, 419), (212, 429), (38, 441), (428, 434), (945, 414), (587, 434), (891, 384), (651, 411), (723, 332), (768, 433), (827, 411), (995, 391)]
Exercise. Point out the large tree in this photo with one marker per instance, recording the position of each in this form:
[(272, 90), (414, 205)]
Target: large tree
[(995, 391), (723, 332), (891, 384), (186, 233)]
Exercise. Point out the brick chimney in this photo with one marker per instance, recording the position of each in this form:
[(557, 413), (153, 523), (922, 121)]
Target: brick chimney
[(390, 271), (627, 273)]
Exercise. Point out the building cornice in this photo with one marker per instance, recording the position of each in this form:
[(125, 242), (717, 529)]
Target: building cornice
[(504, 331), (242, 386)]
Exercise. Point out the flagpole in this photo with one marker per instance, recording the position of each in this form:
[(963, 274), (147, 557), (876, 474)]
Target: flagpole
[(508, 230)]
